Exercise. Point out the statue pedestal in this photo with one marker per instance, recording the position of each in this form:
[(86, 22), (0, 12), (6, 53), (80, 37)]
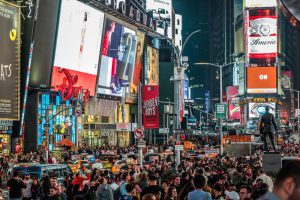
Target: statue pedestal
[(271, 162)]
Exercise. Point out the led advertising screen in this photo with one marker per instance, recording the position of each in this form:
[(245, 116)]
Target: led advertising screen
[(151, 66), (162, 14), (78, 44), (117, 60), (9, 61), (234, 110), (261, 80), (132, 92), (261, 34), (150, 106), (258, 109)]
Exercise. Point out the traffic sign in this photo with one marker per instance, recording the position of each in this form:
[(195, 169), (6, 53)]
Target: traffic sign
[(164, 130), (139, 133), (178, 147), (141, 145), (221, 110), (297, 112)]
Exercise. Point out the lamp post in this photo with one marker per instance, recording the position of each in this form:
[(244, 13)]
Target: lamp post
[(220, 67)]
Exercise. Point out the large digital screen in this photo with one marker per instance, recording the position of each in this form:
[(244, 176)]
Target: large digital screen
[(78, 44), (9, 61), (234, 110), (261, 34), (151, 66), (258, 109), (261, 80), (117, 60), (132, 91), (162, 14)]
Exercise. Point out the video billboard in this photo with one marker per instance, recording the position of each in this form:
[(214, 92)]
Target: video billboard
[(258, 109), (261, 80), (117, 60), (132, 92), (151, 66), (234, 110), (78, 44), (162, 14), (9, 61), (261, 35)]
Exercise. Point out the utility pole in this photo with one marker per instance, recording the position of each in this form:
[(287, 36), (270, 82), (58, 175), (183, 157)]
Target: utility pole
[(139, 125)]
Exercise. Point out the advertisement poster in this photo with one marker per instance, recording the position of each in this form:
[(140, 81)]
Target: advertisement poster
[(234, 110), (261, 36), (9, 61), (258, 109), (261, 80), (162, 14), (132, 92), (118, 59), (151, 66), (150, 106), (78, 44)]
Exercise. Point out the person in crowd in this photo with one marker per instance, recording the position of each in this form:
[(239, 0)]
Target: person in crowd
[(130, 193), (217, 191), (171, 194), (15, 186), (149, 197), (265, 179), (54, 195), (124, 182), (143, 183), (104, 190), (153, 186), (287, 183), (36, 189), (198, 194), (27, 191), (245, 192), (176, 183)]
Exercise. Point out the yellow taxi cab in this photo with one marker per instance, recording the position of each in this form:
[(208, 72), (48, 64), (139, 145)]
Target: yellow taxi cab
[(121, 165), (107, 160)]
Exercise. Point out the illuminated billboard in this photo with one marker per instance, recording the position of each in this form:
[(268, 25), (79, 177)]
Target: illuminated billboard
[(151, 66), (117, 60), (261, 80), (78, 44), (258, 109), (162, 14), (261, 35), (9, 61), (234, 111), (132, 92)]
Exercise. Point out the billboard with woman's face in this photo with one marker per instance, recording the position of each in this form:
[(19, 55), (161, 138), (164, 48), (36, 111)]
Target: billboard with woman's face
[(151, 66), (132, 91), (117, 60)]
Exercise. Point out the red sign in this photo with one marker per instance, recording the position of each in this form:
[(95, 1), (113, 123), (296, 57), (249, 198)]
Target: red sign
[(261, 35), (234, 111), (150, 106), (68, 90), (139, 133)]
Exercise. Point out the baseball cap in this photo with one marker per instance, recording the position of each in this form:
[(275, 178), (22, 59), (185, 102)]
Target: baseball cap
[(232, 195)]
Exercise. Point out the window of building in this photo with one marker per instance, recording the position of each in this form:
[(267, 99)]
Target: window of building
[(176, 31), (178, 21)]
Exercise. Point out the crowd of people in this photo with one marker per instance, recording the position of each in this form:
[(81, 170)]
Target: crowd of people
[(224, 177)]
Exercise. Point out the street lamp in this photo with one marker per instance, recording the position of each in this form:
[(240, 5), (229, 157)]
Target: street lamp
[(221, 89)]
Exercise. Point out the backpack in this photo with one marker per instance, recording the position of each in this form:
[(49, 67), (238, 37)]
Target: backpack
[(117, 192)]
